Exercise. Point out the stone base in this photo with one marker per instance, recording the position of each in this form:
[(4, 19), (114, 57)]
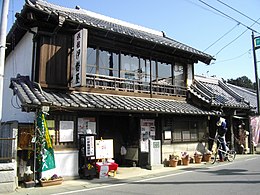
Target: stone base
[(7, 187), (154, 167)]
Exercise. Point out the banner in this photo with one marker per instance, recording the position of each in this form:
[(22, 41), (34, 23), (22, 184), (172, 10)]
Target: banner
[(44, 145)]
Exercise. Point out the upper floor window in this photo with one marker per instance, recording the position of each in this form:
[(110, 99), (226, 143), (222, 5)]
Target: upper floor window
[(129, 67), (163, 77), (164, 73), (91, 61), (108, 63), (179, 75)]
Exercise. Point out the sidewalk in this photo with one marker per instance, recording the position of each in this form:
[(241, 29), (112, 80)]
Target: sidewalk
[(124, 174)]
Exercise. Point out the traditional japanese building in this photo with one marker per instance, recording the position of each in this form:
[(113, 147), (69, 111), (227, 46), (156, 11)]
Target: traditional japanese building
[(99, 75)]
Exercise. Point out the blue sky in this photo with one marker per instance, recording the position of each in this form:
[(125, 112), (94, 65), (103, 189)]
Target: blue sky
[(191, 22)]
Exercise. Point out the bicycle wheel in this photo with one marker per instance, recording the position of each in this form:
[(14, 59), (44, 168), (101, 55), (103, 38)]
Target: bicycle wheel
[(214, 154), (231, 155)]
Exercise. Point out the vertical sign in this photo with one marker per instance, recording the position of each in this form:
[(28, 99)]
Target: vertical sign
[(80, 59)]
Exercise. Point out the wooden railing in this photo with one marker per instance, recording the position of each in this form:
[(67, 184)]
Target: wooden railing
[(7, 150), (122, 84)]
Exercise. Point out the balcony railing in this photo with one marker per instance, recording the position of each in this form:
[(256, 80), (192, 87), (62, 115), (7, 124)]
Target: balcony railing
[(7, 150), (122, 84)]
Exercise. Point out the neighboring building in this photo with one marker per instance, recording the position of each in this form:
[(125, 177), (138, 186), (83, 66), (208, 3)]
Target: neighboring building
[(235, 103)]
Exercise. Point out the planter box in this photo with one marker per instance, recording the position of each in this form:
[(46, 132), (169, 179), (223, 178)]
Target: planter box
[(51, 182)]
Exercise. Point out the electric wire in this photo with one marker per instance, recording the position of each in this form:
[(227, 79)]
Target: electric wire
[(222, 37), (228, 16), (234, 58), (238, 12), (234, 39)]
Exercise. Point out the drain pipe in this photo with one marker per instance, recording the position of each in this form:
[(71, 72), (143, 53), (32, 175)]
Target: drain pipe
[(5, 7)]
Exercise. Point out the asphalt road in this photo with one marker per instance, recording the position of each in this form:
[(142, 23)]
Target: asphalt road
[(239, 177)]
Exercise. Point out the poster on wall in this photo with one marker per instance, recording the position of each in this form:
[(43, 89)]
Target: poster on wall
[(66, 131), (255, 126), (104, 149), (87, 125), (51, 127), (147, 132)]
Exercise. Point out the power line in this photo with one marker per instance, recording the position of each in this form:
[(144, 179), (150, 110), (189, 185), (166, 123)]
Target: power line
[(239, 12), (228, 16), (234, 58), (235, 38), (221, 37)]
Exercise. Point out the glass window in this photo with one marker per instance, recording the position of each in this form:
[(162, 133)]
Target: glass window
[(108, 63), (104, 62), (129, 67), (164, 73), (179, 75), (144, 70), (91, 61), (154, 72), (185, 130)]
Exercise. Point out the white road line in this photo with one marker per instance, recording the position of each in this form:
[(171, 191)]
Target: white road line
[(142, 180), (121, 184)]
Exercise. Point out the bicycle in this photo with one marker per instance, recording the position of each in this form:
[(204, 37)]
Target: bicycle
[(228, 155)]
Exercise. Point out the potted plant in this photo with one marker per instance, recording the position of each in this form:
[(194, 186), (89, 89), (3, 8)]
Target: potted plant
[(207, 155), (185, 158), (53, 180), (173, 160), (197, 157)]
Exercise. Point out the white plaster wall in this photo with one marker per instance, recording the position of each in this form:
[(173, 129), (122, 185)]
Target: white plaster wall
[(66, 164), (168, 149), (18, 61)]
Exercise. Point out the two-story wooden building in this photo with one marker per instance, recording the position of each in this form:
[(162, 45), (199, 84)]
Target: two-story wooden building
[(93, 73)]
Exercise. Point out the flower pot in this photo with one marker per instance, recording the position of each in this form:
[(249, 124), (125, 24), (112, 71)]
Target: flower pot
[(185, 161), (198, 159), (206, 157), (51, 182), (173, 163)]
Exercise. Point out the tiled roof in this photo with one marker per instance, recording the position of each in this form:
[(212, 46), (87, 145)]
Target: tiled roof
[(248, 95), (31, 95), (214, 92), (109, 24)]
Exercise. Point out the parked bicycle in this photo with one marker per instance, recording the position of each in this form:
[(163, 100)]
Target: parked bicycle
[(228, 155)]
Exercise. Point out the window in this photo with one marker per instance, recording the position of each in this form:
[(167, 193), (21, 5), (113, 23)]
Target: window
[(184, 130), (154, 71), (108, 63), (179, 75), (164, 73), (129, 67), (91, 61)]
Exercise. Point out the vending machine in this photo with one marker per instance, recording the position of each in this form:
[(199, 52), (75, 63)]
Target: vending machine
[(87, 156)]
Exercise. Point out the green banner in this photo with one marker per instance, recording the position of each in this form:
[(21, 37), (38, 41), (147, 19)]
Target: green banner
[(45, 150)]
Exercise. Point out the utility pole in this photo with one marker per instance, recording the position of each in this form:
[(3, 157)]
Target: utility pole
[(256, 45), (3, 29)]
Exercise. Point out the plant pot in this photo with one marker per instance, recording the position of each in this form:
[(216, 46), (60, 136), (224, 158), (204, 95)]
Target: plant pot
[(206, 157), (185, 161), (198, 159), (51, 182), (173, 162)]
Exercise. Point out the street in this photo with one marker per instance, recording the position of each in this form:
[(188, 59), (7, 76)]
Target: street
[(239, 177)]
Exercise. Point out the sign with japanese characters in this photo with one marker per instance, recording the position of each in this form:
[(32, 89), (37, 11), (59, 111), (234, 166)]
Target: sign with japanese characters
[(79, 60)]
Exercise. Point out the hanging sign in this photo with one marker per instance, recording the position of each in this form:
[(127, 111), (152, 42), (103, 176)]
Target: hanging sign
[(80, 59)]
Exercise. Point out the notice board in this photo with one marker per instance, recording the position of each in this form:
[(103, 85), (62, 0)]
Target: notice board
[(104, 148)]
